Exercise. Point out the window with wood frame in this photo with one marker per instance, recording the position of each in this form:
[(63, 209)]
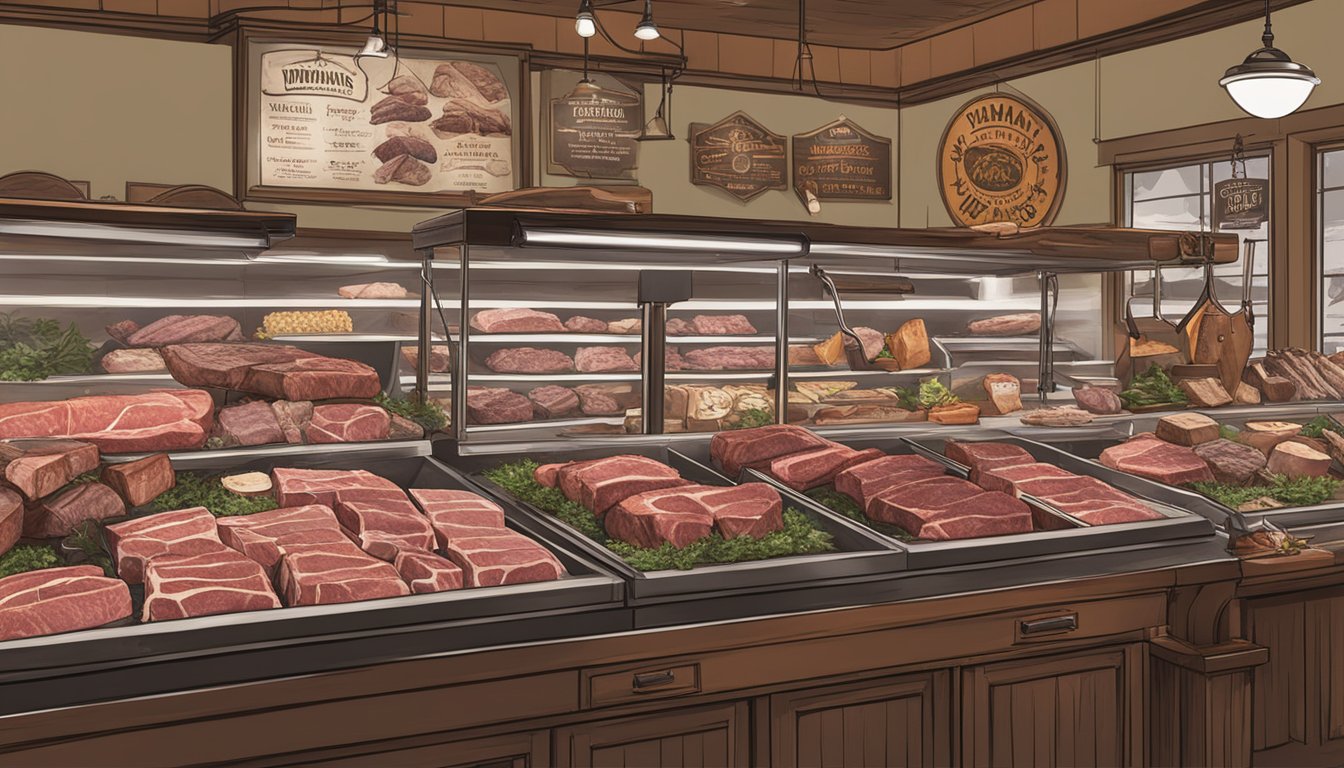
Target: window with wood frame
[(1180, 197), (1330, 246)]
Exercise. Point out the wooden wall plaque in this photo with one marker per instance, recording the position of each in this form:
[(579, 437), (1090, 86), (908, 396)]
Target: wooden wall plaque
[(739, 156), (842, 161), (594, 137), (1001, 159)]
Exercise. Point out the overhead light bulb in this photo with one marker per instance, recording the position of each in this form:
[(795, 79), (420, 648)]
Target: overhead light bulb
[(647, 30), (375, 47), (1269, 83), (585, 24)]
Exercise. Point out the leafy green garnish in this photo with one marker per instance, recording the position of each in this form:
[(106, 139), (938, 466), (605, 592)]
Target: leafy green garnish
[(800, 536), (192, 490), (32, 350), (1152, 387), (1318, 426), (838, 502), (1292, 491), (885, 353), (27, 557), (1228, 432), (428, 414), (906, 397), (934, 393), (752, 418), (86, 541)]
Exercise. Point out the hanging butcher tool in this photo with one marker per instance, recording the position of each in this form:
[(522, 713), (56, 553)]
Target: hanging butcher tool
[(860, 354), (1149, 341), (1217, 336)]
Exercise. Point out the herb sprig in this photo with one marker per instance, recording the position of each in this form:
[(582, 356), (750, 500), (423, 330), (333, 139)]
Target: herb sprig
[(193, 490)]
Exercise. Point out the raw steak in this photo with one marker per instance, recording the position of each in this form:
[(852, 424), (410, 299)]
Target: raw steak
[(300, 487), (867, 479), (1085, 498), (722, 325), (348, 423), (734, 450), (983, 457), (548, 475), (59, 516), (496, 405), (1232, 463), (664, 516), (252, 423), (581, 324), (121, 331), (604, 360), (551, 401), (602, 484), (180, 532), (40, 467), (679, 327), (425, 572), (1098, 400), (143, 480), (897, 505), (56, 600), (1029, 478), (266, 537), (596, 401), (11, 519), (155, 421), (730, 358), (516, 321), (313, 378), (750, 509), (506, 558), (1147, 456), (946, 508), (181, 329), (402, 428), (132, 361), (223, 581), (1006, 325), (438, 357), (293, 418), (224, 366), (337, 575), (375, 290), (383, 528), (459, 514), (813, 469), (529, 360)]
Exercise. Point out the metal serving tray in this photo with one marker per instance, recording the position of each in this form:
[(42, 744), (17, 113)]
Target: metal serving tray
[(145, 659), (860, 552)]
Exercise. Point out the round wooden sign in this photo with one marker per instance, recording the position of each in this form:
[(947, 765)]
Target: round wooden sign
[(1001, 159)]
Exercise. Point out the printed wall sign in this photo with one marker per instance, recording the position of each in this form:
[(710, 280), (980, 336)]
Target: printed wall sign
[(1240, 204), (738, 155), (841, 161), (1001, 160), (594, 137)]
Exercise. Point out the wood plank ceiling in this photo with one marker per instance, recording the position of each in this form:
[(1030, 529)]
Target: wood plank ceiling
[(871, 24)]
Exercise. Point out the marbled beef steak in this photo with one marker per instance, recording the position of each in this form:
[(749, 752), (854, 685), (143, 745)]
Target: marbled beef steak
[(1148, 456), (181, 532), (221, 581), (62, 514), (425, 572), (38, 468), (266, 537), (132, 361), (347, 423), (459, 514), (154, 421), (384, 528), (251, 423), (143, 480), (865, 480), (516, 321), (1087, 499), (734, 450), (722, 325), (298, 487), (11, 519), (601, 484), (504, 558), (946, 508), (603, 360), (497, 405), (337, 574), (179, 329), (313, 378), (224, 366), (529, 360), (983, 457), (813, 469), (553, 401), (681, 515), (56, 600)]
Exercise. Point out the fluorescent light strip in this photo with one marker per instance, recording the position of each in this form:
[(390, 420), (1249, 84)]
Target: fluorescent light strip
[(81, 231), (144, 301), (579, 238), (570, 266)]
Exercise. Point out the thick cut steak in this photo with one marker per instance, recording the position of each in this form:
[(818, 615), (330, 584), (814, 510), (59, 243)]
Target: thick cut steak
[(180, 532), (946, 508), (983, 457), (458, 514), (597, 401), (293, 416), (56, 600), (496, 405), (383, 528), (60, 515), (604, 360), (313, 378), (867, 479), (1006, 325), (1098, 400), (425, 572), (298, 487), (1033, 479), (348, 423), (516, 321), (552, 401), (581, 324), (722, 325), (224, 366), (11, 519), (813, 469), (180, 329), (548, 475), (266, 537), (685, 514), (1231, 463), (376, 290), (154, 421), (132, 361), (1147, 456), (730, 358), (337, 574), (505, 558), (1085, 498), (529, 360), (223, 581), (143, 480), (40, 467), (602, 484), (251, 423), (734, 450), (402, 428)]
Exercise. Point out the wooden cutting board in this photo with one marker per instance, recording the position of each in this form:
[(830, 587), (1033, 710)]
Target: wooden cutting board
[(1221, 339)]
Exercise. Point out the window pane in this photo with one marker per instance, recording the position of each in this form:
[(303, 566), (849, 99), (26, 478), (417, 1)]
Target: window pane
[(1332, 169), (1166, 183), (1174, 213), (1332, 232)]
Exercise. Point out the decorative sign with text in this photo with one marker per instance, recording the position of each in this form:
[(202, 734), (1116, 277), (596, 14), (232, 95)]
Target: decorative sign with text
[(1240, 204), (1001, 160), (738, 155), (841, 161), (594, 136)]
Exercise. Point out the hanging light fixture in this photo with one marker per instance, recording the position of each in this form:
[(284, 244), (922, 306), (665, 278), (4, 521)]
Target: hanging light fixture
[(375, 46), (585, 24), (647, 30), (586, 88), (658, 129), (1269, 83)]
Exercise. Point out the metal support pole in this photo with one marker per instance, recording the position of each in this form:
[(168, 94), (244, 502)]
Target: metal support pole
[(425, 343), (782, 344), (1046, 376), (653, 365), (459, 366)]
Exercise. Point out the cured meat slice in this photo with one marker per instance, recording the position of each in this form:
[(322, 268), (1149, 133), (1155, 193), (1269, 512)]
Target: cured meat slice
[(383, 528), (180, 532), (348, 423), (266, 537), (154, 421), (425, 572), (11, 519), (337, 574), (506, 558), (251, 423), (299, 487), (459, 514), (602, 484), (59, 516), (865, 480), (56, 600), (516, 321), (178, 329), (813, 469), (734, 450), (1147, 456), (222, 581), (143, 480), (40, 467)]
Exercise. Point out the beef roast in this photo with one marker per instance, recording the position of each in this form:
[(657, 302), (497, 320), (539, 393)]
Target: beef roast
[(347, 423), (730, 358), (181, 329), (132, 361), (425, 572), (1098, 400), (552, 401), (154, 421), (224, 366), (143, 480), (458, 514), (602, 484), (722, 325), (337, 574), (815, 468), (313, 378), (180, 532), (53, 600), (220, 581), (11, 519), (581, 324), (251, 423), (40, 467), (1231, 463), (1147, 456), (732, 451), (383, 528), (327, 487), (604, 360), (516, 321), (865, 480), (504, 558), (497, 405), (61, 515), (529, 360), (265, 537)]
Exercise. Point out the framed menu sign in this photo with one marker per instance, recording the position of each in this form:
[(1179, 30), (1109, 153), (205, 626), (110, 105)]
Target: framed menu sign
[(594, 136), (1240, 204), (739, 156), (841, 161), (421, 129)]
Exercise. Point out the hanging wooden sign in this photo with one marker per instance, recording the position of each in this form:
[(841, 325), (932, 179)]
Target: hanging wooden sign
[(594, 136), (1001, 159), (841, 161), (1240, 204), (739, 156)]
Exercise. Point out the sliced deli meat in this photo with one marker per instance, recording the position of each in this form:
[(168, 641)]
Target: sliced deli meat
[(732, 451), (501, 559), (179, 329), (383, 528), (266, 537), (154, 421), (143, 480), (337, 574), (221, 581), (348, 423), (300, 487), (601, 484), (516, 321), (40, 467), (55, 600), (1148, 456), (180, 532), (425, 572), (61, 515)]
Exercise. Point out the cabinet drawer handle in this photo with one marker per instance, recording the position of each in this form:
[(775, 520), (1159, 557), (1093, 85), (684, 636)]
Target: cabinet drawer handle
[(654, 679), (1053, 624)]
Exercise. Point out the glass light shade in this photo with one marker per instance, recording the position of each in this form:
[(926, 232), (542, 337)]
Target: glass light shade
[(584, 25), (647, 30), (1270, 95), (375, 47)]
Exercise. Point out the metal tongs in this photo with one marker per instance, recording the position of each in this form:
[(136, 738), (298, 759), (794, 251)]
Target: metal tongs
[(858, 360)]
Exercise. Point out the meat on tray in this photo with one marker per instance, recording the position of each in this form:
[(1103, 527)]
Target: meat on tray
[(459, 514), (54, 600), (181, 329), (141, 481), (581, 324), (425, 572), (251, 423), (867, 480), (516, 321), (266, 537), (154, 421), (383, 528), (181, 532), (293, 418), (722, 325), (497, 405), (40, 467), (1085, 498), (603, 360), (684, 514), (1231, 462), (947, 508), (60, 515), (220, 581), (730, 358), (146, 360), (378, 290), (224, 366), (813, 469), (679, 327), (732, 451), (986, 456), (597, 401), (1146, 455), (552, 401), (503, 558), (347, 423), (313, 378), (1006, 325), (337, 574), (11, 519), (300, 487), (601, 484), (529, 360)]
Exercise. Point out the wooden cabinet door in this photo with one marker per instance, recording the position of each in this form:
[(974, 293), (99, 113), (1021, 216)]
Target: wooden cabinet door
[(524, 750), (893, 722), (708, 737), (1075, 710)]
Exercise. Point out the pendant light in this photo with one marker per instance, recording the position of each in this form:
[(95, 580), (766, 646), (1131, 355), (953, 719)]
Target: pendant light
[(647, 30), (375, 46), (658, 129), (586, 88), (1269, 83), (585, 24)]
